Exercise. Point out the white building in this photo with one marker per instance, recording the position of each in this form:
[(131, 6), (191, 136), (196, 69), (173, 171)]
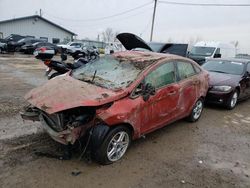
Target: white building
[(35, 26)]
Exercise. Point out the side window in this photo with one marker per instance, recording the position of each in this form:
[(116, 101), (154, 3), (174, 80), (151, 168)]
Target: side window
[(76, 45), (248, 67), (185, 70), (44, 39), (55, 40), (161, 76), (40, 44), (217, 51), (197, 69)]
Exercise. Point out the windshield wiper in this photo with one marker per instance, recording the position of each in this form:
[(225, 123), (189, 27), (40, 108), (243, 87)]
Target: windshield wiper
[(94, 76), (218, 71)]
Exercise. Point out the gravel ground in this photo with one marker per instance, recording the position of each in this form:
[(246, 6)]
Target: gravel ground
[(213, 152)]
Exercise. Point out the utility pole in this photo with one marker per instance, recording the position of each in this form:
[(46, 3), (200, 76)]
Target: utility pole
[(40, 12), (153, 22)]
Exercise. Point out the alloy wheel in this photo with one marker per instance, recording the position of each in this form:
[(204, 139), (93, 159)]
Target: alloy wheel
[(234, 100), (197, 109), (118, 146)]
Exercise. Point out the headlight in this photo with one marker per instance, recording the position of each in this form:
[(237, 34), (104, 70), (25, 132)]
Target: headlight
[(221, 88)]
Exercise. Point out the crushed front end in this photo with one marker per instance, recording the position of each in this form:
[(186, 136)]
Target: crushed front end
[(64, 127)]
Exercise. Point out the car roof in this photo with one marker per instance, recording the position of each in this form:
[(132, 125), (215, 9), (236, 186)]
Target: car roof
[(230, 59), (144, 59)]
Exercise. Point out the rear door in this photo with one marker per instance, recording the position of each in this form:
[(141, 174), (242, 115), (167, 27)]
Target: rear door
[(189, 84)]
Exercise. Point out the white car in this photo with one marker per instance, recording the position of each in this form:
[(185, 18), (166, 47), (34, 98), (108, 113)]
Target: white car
[(71, 46), (208, 49)]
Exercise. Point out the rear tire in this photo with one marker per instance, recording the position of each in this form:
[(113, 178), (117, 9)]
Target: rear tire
[(196, 111), (114, 146)]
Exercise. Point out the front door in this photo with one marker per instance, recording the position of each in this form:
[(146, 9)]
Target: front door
[(161, 107)]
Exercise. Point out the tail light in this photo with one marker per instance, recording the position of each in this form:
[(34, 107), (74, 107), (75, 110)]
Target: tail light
[(43, 49), (47, 62)]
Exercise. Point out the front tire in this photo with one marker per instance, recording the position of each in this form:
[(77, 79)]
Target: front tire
[(196, 111), (232, 101), (54, 75), (114, 146)]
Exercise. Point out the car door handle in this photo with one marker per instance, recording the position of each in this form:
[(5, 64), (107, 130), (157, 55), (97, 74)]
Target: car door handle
[(172, 93), (196, 82)]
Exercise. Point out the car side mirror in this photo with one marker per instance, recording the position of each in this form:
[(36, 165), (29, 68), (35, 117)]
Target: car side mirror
[(217, 55), (247, 74), (148, 90)]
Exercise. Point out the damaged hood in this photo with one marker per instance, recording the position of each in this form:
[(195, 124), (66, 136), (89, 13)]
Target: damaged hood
[(65, 92), (131, 41)]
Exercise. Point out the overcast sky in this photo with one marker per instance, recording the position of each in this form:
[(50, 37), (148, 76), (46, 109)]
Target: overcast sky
[(180, 23)]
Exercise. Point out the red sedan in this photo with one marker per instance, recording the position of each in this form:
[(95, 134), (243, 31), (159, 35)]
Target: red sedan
[(118, 98)]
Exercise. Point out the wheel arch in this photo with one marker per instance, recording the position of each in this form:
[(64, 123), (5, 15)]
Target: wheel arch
[(202, 98), (128, 125), (238, 89)]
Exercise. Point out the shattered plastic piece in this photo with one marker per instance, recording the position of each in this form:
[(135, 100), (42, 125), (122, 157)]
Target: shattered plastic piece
[(200, 161), (183, 181), (76, 173)]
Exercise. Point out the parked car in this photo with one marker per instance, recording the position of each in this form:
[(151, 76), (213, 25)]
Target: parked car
[(70, 45), (3, 47), (2, 40), (140, 44), (76, 47), (89, 53), (16, 46), (13, 38), (169, 48), (30, 48), (118, 98), (229, 81), (204, 49)]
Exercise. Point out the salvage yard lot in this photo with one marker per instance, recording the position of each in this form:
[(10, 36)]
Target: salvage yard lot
[(213, 152)]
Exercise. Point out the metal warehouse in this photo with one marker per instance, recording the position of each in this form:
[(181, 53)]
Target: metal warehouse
[(35, 26)]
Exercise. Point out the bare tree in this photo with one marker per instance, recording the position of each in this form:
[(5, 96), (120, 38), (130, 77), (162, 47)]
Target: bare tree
[(192, 41), (235, 43), (169, 40), (109, 35)]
